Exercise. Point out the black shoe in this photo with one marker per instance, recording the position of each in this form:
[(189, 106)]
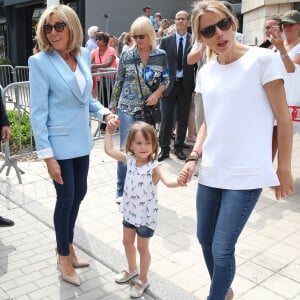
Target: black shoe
[(186, 146), (163, 155), (180, 155), (6, 222)]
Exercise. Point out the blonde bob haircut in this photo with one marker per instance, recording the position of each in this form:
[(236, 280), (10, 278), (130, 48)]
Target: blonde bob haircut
[(142, 25), (67, 16), (200, 8)]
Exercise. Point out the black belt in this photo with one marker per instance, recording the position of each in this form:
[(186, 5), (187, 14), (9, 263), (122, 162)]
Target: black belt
[(179, 79)]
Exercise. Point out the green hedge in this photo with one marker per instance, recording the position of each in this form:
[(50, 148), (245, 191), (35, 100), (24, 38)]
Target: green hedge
[(24, 130)]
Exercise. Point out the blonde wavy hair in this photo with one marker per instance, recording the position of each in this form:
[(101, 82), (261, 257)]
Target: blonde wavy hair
[(142, 25), (199, 8), (67, 16)]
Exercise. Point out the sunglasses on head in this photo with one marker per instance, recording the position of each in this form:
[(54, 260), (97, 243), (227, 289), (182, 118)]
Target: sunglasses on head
[(139, 36), (59, 27), (210, 31)]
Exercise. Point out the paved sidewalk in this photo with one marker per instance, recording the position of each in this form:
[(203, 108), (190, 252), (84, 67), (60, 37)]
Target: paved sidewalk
[(268, 253)]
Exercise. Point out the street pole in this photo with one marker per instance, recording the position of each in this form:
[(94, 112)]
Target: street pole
[(106, 16), (52, 2)]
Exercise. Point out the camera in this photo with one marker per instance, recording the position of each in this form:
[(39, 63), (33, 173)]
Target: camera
[(105, 16)]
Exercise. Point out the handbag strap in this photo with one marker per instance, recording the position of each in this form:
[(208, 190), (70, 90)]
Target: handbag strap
[(137, 72)]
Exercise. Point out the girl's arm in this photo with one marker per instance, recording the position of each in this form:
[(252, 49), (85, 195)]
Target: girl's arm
[(276, 95), (160, 174), (109, 148)]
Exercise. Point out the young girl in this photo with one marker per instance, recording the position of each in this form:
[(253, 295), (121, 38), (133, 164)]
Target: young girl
[(139, 205)]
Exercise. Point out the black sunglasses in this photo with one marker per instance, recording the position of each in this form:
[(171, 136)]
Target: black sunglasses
[(210, 31), (140, 36), (59, 27)]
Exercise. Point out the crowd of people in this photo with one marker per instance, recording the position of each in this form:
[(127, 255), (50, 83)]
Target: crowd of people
[(187, 74)]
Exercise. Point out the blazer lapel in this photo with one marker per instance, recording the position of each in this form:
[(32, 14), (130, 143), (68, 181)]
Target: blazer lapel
[(66, 74), (86, 71)]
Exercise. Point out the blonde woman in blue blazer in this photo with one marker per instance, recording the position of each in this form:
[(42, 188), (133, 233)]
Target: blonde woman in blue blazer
[(61, 101)]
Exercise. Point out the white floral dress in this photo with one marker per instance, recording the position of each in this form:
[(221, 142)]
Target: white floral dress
[(140, 204)]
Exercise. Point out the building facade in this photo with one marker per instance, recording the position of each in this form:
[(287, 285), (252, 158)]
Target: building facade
[(255, 13)]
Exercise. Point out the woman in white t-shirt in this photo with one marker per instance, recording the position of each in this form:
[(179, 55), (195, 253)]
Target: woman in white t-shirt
[(242, 89)]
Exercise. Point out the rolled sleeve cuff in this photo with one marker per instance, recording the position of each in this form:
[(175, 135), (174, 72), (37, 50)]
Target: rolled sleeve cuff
[(45, 153), (102, 113)]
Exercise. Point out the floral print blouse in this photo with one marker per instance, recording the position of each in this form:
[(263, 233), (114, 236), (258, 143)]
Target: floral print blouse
[(126, 94)]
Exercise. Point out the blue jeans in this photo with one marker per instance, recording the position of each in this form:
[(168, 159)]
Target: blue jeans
[(126, 121), (69, 196), (221, 217)]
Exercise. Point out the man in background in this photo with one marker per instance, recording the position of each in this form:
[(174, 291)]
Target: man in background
[(91, 42), (179, 92), (147, 13)]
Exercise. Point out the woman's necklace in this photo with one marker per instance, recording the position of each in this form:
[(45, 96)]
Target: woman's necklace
[(223, 62)]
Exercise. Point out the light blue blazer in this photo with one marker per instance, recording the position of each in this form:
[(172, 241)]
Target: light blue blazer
[(59, 111)]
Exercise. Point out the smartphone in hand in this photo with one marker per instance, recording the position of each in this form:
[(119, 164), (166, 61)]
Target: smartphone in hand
[(265, 44), (275, 30)]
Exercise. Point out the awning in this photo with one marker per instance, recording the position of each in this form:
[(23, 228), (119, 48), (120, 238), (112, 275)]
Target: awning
[(20, 2)]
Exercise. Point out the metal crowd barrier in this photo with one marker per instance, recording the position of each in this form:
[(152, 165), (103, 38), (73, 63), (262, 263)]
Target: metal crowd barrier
[(9, 74), (15, 98), (105, 79), (6, 75), (21, 73)]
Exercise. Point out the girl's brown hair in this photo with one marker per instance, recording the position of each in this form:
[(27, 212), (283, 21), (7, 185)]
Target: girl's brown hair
[(148, 133)]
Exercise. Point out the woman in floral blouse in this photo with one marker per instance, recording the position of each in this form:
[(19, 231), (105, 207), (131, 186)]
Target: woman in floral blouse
[(143, 76)]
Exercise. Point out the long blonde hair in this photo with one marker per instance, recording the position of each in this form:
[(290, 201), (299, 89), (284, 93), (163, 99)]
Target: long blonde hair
[(70, 18), (202, 7)]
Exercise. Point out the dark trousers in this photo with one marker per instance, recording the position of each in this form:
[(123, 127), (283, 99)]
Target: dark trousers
[(69, 196), (182, 101)]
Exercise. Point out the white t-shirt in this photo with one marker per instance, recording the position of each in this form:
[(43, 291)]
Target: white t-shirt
[(237, 150), (80, 79)]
